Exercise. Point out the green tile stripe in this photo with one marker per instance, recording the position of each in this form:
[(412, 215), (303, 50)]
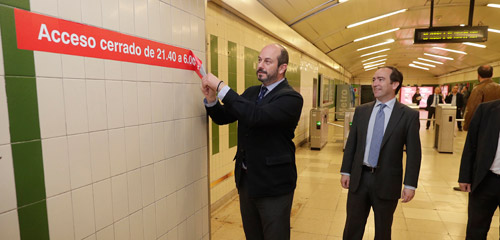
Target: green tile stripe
[(251, 57), (293, 75), (20, 86), (233, 83), (214, 69)]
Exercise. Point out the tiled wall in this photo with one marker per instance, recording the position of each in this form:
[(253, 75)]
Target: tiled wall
[(101, 149), (232, 33)]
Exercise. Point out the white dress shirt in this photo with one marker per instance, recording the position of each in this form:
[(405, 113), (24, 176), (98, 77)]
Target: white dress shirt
[(495, 167)]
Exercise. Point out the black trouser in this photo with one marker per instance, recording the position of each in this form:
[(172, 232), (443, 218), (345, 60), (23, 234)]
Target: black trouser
[(459, 116), (358, 209), (432, 113), (266, 218), (482, 205)]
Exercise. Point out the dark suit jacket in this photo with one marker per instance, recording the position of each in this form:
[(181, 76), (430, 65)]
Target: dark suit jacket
[(402, 129), (460, 100), (265, 133), (430, 100), (481, 144)]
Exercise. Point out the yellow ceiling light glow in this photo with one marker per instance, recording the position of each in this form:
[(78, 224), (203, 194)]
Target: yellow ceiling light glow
[(370, 63), (376, 45), (368, 59), (415, 66), (376, 34), (450, 50), (379, 51), (493, 5), (374, 65), (425, 64), (428, 60), (438, 56), (368, 69), (376, 18), (474, 44)]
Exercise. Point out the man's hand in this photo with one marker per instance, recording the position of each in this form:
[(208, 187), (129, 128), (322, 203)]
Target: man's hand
[(210, 94), (212, 82), (407, 195), (465, 187), (344, 181)]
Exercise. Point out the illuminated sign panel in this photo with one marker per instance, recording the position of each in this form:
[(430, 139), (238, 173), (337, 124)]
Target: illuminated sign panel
[(451, 34)]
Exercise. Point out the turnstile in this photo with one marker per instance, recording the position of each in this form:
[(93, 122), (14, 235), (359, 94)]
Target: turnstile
[(318, 128), (348, 116), (445, 125)]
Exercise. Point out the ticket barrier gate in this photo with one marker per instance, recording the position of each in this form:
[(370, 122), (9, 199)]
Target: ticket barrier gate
[(445, 125), (348, 116), (318, 128)]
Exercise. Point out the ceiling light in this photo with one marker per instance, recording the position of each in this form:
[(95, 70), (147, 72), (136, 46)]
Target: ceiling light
[(493, 5), (462, 25), (415, 66), (450, 50), (432, 61), (379, 51), (374, 65), (368, 69), (378, 44), (370, 63), (493, 30), (376, 18), (443, 57), (341, 1), (474, 44), (376, 34), (379, 56), (425, 64)]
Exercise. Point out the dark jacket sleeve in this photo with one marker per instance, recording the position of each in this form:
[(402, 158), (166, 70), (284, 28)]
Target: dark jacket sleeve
[(350, 147), (220, 114), (430, 99), (470, 148), (413, 151)]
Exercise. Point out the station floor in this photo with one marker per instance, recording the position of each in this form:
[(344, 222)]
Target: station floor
[(436, 212)]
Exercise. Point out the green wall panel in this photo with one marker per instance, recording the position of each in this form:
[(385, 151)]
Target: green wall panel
[(214, 69), (251, 59), (33, 224), (232, 70), (28, 172), (23, 4)]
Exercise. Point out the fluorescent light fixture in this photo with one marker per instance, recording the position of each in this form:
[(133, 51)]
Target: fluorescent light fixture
[(432, 61), (379, 56), (374, 65), (493, 30), (376, 18), (370, 63), (379, 51), (425, 64), (450, 50), (462, 25), (474, 44), (368, 69), (493, 5), (415, 66), (376, 34), (438, 56), (378, 44), (341, 1)]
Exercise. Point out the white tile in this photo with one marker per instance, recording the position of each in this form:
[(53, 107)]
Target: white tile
[(70, 10), (144, 97), (91, 12), (96, 96), (179, 103), (149, 222), (198, 225), (169, 101), (75, 106), (110, 13), (134, 182), (103, 201), (117, 151), (50, 107), (194, 32), (176, 28), (47, 7), (182, 230), (9, 227), (170, 139), (127, 17), (166, 74), (56, 166), (48, 64), (112, 70), (143, 73), (73, 66), (160, 180), (190, 227), (171, 174), (83, 211), (188, 135), (60, 217), (146, 138), (157, 101), (179, 145), (158, 141), (155, 72), (99, 155), (136, 226), (165, 23), (4, 114), (132, 148), (130, 103), (141, 18), (79, 160), (182, 204), (122, 229), (172, 234), (161, 217), (107, 233), (154, 19), (120, 196), (94, 68), (7, 182), (206, 219), (114, 99), (91, 237), (171, 211), (129, 70), (148, 185)]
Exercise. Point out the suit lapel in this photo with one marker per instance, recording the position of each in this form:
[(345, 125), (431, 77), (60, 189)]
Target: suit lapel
[(396, 115), (268, 97), (495, 126), (363, 128)]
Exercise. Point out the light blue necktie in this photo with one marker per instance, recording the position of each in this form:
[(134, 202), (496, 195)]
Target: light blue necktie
[(378, 134), (262, 93)]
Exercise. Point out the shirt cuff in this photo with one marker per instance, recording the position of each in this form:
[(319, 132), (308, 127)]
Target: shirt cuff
[(223, 92), (410, 187), (344, 173), (211, 104)]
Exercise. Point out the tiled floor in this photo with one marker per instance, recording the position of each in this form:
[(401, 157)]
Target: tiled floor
[(436, 212)]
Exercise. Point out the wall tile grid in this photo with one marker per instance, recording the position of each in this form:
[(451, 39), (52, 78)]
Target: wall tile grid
[(124, 145)]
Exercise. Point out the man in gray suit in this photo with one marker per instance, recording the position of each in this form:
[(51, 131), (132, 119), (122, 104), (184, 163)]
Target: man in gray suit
[(372, 167)]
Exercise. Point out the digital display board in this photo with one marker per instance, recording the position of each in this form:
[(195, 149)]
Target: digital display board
[(451, 34)]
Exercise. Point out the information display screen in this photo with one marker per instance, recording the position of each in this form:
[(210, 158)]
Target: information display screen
[(451, 34)]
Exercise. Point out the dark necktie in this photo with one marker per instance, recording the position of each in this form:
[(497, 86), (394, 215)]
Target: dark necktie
[(262, 93), (378, 134)]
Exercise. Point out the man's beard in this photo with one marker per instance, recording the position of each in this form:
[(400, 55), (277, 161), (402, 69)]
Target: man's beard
[(270, 78)]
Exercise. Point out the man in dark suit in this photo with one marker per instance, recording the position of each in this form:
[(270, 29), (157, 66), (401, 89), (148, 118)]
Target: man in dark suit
[(432, 101), (265, 169), (480, 168), (456, 99), (372, 167)]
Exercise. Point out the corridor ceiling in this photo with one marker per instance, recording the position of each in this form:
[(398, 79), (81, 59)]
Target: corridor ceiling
[(324, 23)]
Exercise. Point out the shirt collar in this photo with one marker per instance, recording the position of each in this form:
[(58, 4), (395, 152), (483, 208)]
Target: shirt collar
[(389, 104), (272, 86)]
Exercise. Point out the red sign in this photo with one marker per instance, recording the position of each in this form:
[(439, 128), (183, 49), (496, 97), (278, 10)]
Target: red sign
[(48, 34)]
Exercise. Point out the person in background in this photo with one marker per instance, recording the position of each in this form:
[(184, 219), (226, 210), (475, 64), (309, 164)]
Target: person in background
[(465, 91), (417, 97), (432, 101), (456, 99)]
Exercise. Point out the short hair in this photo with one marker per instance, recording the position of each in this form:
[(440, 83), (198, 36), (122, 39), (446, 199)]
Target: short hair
[(396, 76), (485, 71), (283, 57)]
